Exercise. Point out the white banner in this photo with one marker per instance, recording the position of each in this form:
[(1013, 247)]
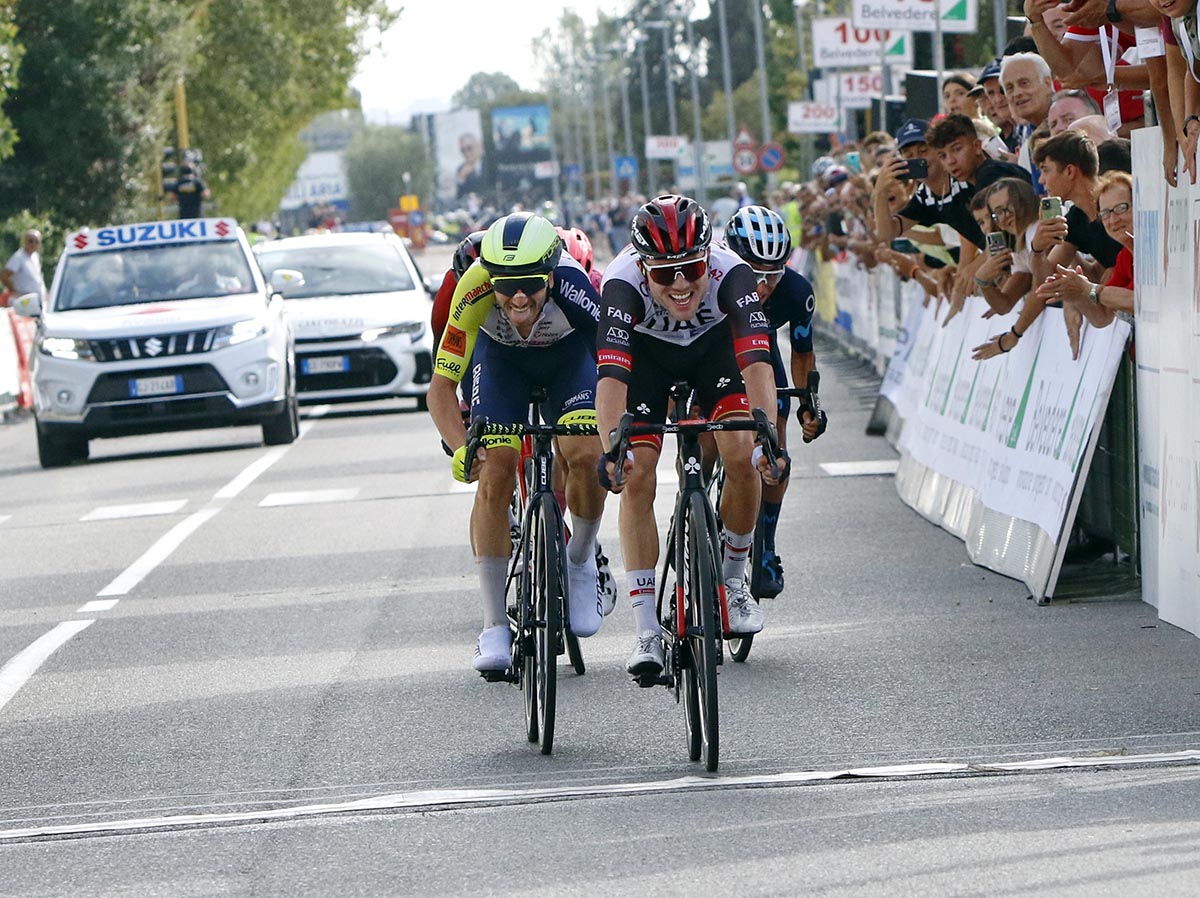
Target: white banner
[(1013, 428), (958, 16), (838, 44), (1167, 235), (321, 179)]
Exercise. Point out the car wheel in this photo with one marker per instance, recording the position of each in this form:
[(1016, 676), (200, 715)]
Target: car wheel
[(422, 403), (57, 449), (284, 427)]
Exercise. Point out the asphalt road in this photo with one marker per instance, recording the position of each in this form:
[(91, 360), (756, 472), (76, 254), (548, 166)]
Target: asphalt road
[(280, 702)]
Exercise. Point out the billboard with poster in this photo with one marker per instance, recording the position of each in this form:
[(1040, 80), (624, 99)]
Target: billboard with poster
[(459, 155), (521, 140)]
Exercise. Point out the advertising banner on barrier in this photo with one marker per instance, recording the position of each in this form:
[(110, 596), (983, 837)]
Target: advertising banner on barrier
[(1167, 306), (1013, 428)]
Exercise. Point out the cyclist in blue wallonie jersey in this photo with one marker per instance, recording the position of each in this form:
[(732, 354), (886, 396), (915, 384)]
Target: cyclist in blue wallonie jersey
[(675, 308)]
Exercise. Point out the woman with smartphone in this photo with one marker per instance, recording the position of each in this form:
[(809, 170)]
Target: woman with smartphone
[(1005, 276)]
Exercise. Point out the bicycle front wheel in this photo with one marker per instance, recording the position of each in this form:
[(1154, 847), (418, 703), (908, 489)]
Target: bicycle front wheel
[(703, 625), (550, 579)]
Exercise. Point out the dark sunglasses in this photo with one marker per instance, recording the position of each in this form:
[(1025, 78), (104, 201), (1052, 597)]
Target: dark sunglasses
[(666, 274), (528, 285)]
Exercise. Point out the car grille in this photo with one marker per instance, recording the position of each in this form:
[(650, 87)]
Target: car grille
[(157, 346), (303, 341), (197, 379), (368, 368)]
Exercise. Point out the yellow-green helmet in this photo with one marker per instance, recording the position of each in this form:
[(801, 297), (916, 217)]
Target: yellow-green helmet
[(520, 244)]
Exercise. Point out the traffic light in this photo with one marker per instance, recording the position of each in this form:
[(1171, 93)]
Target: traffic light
[(170, 171)]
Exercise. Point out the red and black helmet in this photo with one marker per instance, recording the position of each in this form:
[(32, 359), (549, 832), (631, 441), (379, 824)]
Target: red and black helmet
[(670, 227), (466, 253)]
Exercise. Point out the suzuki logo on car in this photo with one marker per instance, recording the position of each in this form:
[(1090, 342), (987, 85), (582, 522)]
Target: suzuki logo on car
[(153, 346)]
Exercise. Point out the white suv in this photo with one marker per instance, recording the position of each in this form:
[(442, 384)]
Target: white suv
[(161, 326)]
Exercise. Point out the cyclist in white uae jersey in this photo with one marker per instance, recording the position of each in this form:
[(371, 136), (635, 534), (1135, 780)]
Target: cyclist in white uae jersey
[(675, 308)]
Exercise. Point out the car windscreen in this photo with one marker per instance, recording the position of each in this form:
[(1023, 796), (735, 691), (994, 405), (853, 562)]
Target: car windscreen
[(340, 269), (157, 273)]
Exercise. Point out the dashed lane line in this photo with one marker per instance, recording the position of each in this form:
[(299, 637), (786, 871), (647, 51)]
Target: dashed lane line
[(457, 799), (140, 510), (309, 497), (861, 468), (17, 672)]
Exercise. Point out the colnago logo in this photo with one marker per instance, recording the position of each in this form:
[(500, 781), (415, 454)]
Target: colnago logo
[(614, 312), (579, 296), (158, 232), (618, 335)]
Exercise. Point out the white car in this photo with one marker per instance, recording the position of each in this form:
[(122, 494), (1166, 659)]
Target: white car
[(155, 327), (361, 316)]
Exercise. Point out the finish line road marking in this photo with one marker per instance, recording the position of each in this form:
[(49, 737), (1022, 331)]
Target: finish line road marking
[(457, 799), (24, 665)]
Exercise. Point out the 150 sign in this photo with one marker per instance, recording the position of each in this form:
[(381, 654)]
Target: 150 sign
[(813, 118)]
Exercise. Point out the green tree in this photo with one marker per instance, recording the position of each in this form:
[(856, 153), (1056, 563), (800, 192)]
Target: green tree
[(91, 110), (262, 71), (484, 89), (377, 161), (11, 52)]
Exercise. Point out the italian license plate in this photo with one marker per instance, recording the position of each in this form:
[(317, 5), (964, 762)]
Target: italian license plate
[(326, 364), (156, 386)]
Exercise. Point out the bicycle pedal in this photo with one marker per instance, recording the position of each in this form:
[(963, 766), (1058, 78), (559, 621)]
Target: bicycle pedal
[(498, 676), (648, 681)]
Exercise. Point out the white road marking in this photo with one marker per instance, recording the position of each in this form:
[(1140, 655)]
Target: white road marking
[(309, 497), (158, 553), (145, 509), (861, 468), (98, 605), (16, 672), (453, 799), (4, 517), (251, 473)]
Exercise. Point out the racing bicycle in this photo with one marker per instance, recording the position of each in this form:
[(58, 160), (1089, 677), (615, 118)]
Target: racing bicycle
[(539, 613), (693, 615)]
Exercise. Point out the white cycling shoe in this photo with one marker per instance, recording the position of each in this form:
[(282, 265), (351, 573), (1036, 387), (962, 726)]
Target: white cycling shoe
[(745, 615), (586, 613), (606, 583), (648, 656), (493, 651)]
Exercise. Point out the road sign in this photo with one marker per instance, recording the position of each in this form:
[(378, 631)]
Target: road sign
[(854, 90), (416, 218), (958, 16), (626, 168), (744, 138), (837, 44), (745, 161), (410, 202), (666, 146), (573, 171), (813, 118), (770, 157)]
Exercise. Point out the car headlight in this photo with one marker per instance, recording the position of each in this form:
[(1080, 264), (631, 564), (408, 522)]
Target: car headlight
[(239, 332), (67, 348), (414, 329)]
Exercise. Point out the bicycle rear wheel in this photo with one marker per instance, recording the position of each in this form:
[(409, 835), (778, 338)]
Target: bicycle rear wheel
[(703, 624), (550, 587)]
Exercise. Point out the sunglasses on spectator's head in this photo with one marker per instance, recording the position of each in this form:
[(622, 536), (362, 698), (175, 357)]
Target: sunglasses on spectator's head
[(666, 274), (528, 284)]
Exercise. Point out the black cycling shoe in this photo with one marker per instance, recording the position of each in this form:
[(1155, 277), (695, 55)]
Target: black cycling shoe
[(770, 579)]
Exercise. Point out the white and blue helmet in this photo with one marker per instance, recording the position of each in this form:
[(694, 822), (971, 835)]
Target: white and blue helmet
[(759, 235)]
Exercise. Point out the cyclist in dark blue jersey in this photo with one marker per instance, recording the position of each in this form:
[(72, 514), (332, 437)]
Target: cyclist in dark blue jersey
[(760, 236)]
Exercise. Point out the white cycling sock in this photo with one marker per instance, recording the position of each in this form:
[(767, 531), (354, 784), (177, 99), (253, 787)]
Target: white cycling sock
[(492, 574), (583, 539), (737, 551), (643, 596)]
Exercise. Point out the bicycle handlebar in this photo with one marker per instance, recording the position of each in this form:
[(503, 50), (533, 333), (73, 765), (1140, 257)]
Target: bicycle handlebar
[(481, 428), (626, 429)]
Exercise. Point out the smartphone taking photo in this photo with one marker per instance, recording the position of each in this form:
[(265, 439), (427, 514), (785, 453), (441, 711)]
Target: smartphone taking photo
[(916, 170), (1051, 207)]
